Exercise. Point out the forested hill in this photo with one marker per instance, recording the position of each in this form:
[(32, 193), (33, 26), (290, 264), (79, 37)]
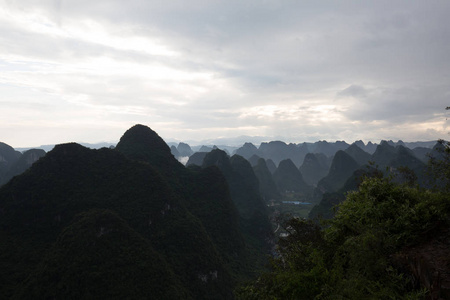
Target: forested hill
[(388, 240), (79, 219)]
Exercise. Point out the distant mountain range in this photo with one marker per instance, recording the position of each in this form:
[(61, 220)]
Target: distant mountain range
[(232, 145)]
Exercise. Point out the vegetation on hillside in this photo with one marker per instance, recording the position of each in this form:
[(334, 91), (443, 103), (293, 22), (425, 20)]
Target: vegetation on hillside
[(369, 250)]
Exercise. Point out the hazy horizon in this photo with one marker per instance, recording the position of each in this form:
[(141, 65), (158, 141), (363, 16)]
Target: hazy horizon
[(230, 142), (298, 71)]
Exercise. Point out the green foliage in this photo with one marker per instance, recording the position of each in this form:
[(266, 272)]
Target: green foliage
[(352, 257), (99, 256)]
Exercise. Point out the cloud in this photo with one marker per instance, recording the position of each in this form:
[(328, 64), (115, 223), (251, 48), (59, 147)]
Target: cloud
[(298, 69)]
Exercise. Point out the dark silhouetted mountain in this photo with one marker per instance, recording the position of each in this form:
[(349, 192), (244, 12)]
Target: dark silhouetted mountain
[(208, 198), (271, 165), (64, 187), (313, 169), (220, 159), (289, 179), (143, 144), (244, 190), (267, 186), (243, 168), (251, 207), (205, 202), (248, 150), (99, 256), (253, 160), (386, 156), (48, 148), (359, 155), (405, 157), (341, 169), (196, 159), (189, 219), (184, 149), (383, 154)]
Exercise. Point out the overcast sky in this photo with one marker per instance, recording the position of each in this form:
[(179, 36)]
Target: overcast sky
[(86, 71)]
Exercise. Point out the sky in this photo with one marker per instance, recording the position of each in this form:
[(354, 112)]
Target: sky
[(86, 71)]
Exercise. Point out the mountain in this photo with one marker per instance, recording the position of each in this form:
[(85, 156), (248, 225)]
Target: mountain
[(208, 198), (370, 147), (278, 151), (25, 161), (13, 162), (289, 179), (327, 207), (196, 159), (187, 216), (184, 149), (389, 159), (422, 153), (174, 151), (395, 159), (205, 149), (8, 156), (253, 160), (98, 255), (267, 186), (244, 190), (329, 149), (313, 169), (405, 157), (271, 165), (341, 169), (248, 150), (383, 154), (143, 144), (359, 155), (204, 192), (412, 145), (47, 148)]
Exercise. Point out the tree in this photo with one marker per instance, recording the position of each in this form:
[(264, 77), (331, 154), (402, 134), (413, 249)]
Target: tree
[(353, 257)]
